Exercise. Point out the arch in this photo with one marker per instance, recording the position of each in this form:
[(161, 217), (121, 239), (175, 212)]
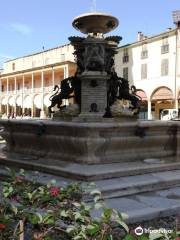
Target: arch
[(162, 93), (19, 101), (11, 101), (4, 101), (178, 93), (47, 102), (142, 94), (27, 103), (37, 101)]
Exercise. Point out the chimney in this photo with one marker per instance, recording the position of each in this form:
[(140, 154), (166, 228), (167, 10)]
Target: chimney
[(139, 36)]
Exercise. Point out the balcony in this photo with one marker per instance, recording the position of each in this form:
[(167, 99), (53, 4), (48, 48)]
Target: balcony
[(164, 49), (48, 89)]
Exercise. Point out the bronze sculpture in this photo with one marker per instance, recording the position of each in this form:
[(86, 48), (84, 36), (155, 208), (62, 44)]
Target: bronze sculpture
[(94, 56)]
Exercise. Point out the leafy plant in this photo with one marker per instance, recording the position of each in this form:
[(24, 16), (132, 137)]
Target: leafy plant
[(49, 212)]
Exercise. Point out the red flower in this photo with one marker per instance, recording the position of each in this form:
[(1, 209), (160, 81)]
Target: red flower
[(178, 238), (54, 191), (19, 179), (2, 226)]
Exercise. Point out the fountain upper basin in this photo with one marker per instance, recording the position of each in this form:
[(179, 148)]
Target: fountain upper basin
[(95, 23)]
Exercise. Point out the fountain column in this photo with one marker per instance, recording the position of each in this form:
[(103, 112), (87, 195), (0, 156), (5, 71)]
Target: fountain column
[(94, 55)]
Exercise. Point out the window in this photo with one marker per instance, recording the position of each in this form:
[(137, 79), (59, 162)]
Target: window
[(164, 67), (125, 73), (125, 55), (13, 66), (144, 71), (144, 52), (165, 45)]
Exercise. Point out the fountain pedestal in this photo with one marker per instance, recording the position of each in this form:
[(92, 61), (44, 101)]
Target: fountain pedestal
[(94, 94)]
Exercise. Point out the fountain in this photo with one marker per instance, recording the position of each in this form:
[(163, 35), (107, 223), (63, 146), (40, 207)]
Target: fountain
[(96, 129)]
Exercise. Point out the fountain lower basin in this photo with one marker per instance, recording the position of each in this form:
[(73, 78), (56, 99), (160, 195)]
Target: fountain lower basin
[(92, 143)]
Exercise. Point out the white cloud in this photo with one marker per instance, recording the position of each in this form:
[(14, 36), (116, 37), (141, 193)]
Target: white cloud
[(21, 28)]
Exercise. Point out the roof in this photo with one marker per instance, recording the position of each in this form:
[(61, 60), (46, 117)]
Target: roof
[(149, 39), (50, 49)]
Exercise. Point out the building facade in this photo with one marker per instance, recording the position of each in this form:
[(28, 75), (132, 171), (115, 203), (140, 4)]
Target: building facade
[(26, 83), (152, 64)]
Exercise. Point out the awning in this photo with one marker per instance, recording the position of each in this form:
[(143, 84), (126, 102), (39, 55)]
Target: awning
[(19, 101), (142, 95), (47, 102), (162, 94), (27, 102), (37, 101)]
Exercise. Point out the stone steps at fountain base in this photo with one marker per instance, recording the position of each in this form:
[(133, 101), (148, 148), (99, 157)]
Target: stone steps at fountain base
[(131, 185), (148, 206), (86, 172)]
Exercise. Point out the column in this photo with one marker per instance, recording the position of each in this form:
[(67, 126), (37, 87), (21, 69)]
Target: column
[(23, 95), (176, 104), (15, 85), (149, 110), (15, 91), (66, 71), (32, 91), (66, 75), (7, 86), (42, 114), (0, 95), (53, 77), (32, 109), (0, 86), (32, 83), (7, 89), (7, 113)]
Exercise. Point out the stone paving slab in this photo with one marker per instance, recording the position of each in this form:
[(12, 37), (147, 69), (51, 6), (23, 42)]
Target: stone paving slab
[(157, 202), (170, 192)]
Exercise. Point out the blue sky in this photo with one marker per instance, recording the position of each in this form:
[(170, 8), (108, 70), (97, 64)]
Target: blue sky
[(28, 25)]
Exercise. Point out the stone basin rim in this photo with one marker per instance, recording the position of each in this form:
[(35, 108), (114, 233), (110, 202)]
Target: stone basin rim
[(40, 122), (92, 15)]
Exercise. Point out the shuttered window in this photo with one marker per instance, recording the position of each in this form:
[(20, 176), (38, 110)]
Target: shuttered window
[(144, 71), (164, 67)]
